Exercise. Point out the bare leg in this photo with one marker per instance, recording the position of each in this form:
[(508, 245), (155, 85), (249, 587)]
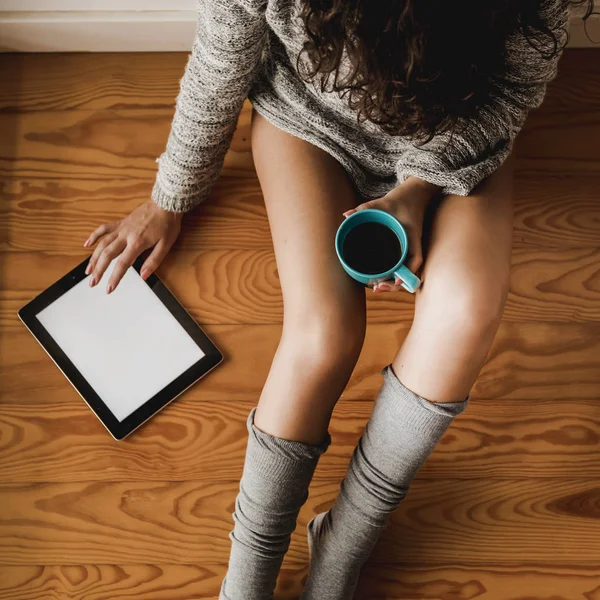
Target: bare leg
[(465, 282), (306, 191), (457, 314)]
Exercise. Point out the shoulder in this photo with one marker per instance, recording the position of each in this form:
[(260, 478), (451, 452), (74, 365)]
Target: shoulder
[(532, 54), (555, 13)]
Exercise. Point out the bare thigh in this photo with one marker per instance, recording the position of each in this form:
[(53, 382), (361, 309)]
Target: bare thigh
[(465, 283), (306, 191)]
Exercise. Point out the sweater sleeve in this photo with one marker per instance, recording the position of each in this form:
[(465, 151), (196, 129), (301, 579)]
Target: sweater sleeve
[(458, 162), (227, 48)]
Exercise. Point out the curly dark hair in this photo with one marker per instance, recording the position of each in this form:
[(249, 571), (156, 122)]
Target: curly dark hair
[(417, 68)]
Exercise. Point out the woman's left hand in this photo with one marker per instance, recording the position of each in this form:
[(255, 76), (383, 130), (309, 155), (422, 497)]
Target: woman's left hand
[(408, 203)]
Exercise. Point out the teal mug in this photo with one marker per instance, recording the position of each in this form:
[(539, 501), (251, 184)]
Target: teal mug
[(409, 280)]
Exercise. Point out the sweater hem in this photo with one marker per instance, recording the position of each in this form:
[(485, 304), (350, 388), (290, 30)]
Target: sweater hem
[(365, 190)]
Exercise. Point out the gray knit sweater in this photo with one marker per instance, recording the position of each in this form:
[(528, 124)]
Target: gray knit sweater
[(248, 48)]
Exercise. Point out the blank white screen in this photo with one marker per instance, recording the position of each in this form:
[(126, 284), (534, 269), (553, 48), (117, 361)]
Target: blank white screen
[(126, 344)]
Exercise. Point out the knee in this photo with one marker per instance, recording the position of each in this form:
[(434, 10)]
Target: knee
[(324, 339), (470, 304), (478, 304)]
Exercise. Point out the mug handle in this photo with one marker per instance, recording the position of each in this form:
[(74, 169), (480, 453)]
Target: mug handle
[(410, 281)]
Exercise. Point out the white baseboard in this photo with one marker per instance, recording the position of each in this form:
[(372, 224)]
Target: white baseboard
[(125, 31), (100, 31), (91, 5)]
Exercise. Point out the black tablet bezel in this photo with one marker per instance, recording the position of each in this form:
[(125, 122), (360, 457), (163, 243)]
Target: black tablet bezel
[(120, 429)]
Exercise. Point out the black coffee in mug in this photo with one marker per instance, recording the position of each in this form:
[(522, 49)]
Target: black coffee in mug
[(371, 248)]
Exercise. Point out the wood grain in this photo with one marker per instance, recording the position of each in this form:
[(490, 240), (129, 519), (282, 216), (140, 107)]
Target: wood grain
[(557, 285), (83, 144), (522, 364), (507, 506), (123, 144), (109, 144), (554, 211), (242, 286), (556, 138), (58, 215), (472, 522), (42, 82), (205, 441), (89, 81), (559, 142), (183, 582), (577, 84), (494, 582)]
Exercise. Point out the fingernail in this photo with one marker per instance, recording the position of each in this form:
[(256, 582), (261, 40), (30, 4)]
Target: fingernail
[(87, 242), (92, 282), (109, 288), (88, 269), (145, 273)]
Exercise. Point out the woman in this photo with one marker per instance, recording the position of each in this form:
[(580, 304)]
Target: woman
[(357, 104)]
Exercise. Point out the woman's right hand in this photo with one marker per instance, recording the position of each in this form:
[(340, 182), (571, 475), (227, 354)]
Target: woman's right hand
[(147, 226)]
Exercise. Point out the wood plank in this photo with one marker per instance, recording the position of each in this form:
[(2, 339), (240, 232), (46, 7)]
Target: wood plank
[(558, 136), (389, 582), (206, 441), (100, 81), (80, 137), (110, 144), (493, 582), (123, 144), (555, 212), (559, 285), (242, 286), (440, 522), (58, 215), (83, 144), (104, 582), (522, 364), (90, 81), (560, 145), (578, 82)]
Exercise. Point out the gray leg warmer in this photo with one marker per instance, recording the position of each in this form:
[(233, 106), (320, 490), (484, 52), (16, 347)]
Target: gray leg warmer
[(401, 433), (273, 488)]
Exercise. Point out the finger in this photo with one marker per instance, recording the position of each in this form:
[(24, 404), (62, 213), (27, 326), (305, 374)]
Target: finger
[(415, 253), (155, 259), (98, 233), (123, 263), (388, 286), (362, 206), (399, 284), (415, 261), (107, 240), (109, 253), (380, 203)]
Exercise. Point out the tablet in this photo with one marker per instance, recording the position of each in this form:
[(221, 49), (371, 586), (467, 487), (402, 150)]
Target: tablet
[(128, 353)]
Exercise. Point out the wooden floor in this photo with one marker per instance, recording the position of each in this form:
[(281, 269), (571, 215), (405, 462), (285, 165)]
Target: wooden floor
[(508, 506)]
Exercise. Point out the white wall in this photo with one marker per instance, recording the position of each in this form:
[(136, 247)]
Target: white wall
[(97, 25), (102, 5)]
